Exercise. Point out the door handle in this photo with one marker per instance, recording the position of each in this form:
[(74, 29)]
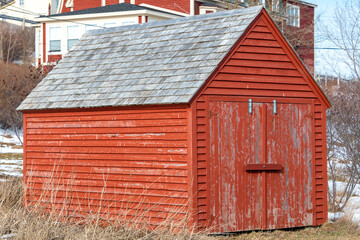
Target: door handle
[(264, 167)]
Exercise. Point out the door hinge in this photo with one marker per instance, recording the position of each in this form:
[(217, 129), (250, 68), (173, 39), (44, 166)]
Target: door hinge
[(250, 106), (275, 107)]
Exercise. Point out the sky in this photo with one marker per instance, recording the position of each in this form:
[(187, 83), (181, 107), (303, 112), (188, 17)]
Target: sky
[(325, 60)]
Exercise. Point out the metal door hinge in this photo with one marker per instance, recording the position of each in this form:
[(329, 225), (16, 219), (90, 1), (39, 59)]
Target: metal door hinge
[(250, 106), (275, 107)]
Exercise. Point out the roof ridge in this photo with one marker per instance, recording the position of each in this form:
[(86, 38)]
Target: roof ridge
[(210, 16)]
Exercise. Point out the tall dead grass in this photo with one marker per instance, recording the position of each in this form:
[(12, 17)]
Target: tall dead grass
[(34, 223)]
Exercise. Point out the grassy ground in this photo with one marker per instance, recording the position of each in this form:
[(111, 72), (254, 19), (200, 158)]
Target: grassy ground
[(17, 223)]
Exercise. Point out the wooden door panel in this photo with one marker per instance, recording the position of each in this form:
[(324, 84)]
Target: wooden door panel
[(289, 192), (234, 196), (244, 197)]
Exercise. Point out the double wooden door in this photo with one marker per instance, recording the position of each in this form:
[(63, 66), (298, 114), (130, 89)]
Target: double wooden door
[(261, 165)]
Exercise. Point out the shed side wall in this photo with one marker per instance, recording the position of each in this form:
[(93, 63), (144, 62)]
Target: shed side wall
[(117, 162), (260, 67)]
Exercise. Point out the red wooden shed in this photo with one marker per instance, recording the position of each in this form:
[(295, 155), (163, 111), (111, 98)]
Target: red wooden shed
[(213, 119)]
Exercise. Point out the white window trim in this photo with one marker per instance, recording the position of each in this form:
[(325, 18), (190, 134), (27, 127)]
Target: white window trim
[(68, 38), (69, 4), (51, 39), (275, 5), (292, 23), (110, 23)]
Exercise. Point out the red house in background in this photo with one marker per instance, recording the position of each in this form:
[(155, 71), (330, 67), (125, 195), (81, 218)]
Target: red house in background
[(69, 19)]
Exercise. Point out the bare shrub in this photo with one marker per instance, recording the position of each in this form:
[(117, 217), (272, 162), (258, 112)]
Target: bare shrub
[(16, 43), (343, 137), (16, 82)]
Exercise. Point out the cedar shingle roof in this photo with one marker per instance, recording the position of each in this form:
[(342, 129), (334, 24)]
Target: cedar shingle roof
[(163, 62)]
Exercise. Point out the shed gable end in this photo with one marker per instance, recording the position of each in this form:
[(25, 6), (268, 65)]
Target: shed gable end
[(262, 63)]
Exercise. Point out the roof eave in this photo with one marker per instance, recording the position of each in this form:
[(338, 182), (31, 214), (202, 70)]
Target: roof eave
[(305, 3), (104, 108), (104, 15), (305, 69)]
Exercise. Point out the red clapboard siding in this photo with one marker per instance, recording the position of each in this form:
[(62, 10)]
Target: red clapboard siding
[(259, 67), (112, 157)]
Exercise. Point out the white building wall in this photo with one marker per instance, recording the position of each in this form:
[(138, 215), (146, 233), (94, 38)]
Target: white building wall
[(84, 25), (30, 10)]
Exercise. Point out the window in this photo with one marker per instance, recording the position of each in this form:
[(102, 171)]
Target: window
[(293, 15), (128, 22), (73, 36), (89, 27), (55, 39), (276, 5), (109, 25), (21, 2)]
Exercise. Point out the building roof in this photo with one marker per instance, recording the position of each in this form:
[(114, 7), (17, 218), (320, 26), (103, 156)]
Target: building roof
[(121, 7), (162, 62), (7, 17)]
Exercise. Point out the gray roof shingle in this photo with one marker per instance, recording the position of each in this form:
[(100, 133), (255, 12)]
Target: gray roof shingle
[(163, 62)]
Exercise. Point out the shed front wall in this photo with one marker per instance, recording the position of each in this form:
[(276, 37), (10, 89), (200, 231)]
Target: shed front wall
[(119, 163), (261, 66)]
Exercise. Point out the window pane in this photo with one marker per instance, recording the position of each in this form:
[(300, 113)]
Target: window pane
[(55, 45), (128, 22), (91, 27), (71, 43), (73, 32), (293, 15), (108, 25), (55, 33)]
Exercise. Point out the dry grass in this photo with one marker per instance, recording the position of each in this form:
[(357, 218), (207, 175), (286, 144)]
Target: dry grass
[(16, 156), (341, 230), (34, 225)]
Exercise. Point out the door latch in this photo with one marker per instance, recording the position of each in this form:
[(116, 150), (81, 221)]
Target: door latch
[(275, 107), (250, 106)]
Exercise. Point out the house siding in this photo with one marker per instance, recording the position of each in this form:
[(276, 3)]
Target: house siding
[(259, 67), (182, 6), (107, 160), (177, 5), (306, 37)]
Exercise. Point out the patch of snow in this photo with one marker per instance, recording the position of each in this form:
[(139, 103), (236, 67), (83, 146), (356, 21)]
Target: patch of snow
[(11, 161), (340, 186), (8, 139), (352, 208), (9, 143), (8, 236), (334, 216), (12, 139), (10, 150)]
